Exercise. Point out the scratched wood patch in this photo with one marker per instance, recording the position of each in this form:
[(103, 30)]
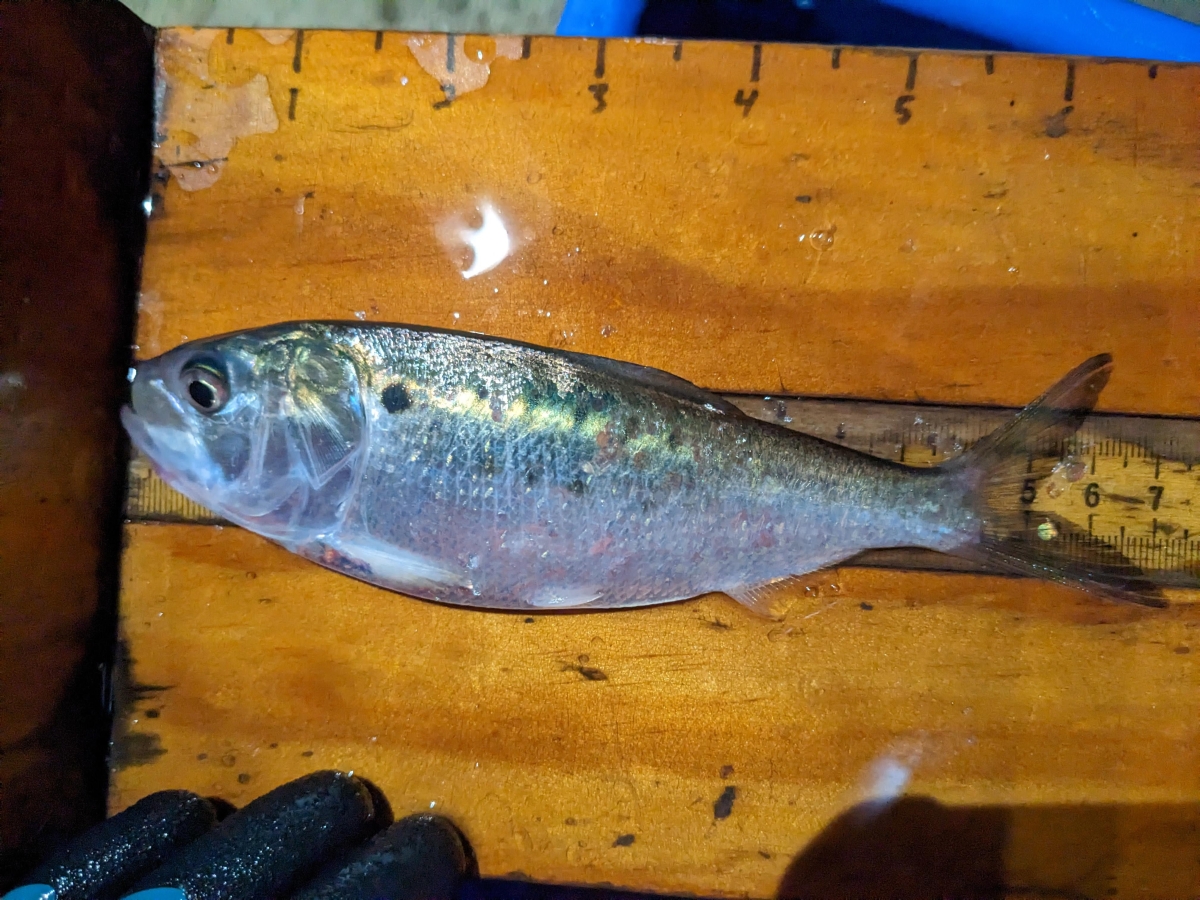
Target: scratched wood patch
[(935, 227)]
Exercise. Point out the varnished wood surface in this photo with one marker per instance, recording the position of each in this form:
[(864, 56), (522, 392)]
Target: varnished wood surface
[(963, 255), (74, 92)]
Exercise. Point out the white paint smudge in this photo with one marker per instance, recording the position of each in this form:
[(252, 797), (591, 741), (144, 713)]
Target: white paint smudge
[(198, 121), (444, 57), (276, 36)]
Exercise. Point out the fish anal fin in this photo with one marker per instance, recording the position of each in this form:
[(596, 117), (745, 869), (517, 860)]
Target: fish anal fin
[(564, 597), (770, 599)]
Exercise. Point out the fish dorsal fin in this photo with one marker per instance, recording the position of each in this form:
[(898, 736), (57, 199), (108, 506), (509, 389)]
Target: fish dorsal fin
[(654, 379), (768, 599)]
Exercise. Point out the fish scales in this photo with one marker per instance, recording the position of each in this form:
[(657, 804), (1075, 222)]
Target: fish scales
[(540, 480), (485, 472)]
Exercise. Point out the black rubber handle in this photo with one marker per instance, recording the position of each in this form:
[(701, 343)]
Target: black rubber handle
[(418, 858), (107, 859), (262, 849)]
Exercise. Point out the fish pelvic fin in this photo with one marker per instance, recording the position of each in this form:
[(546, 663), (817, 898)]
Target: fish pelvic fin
[(770, 599), (1005, 473)]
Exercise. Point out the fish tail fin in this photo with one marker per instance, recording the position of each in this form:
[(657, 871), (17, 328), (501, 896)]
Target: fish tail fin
[(1004, 474)]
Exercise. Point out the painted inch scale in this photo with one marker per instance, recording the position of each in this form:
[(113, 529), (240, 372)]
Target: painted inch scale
[(1140, 493), (745, 98)]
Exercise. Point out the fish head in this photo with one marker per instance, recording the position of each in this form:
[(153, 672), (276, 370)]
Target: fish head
[(263, 427)]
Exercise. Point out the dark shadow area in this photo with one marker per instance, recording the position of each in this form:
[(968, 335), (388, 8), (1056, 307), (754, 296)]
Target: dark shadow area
[(919, 848), (509, 889), (912, 848), (75, 129), (842, 22)]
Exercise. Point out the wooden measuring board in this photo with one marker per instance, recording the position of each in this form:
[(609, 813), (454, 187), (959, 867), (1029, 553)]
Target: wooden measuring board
[(937, 230)]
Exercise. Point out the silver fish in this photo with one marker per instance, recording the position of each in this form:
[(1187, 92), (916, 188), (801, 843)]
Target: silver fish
[(491, 473)]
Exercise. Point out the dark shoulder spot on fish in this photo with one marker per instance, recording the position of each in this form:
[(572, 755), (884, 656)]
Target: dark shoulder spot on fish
[(625, 840), (395, 398)]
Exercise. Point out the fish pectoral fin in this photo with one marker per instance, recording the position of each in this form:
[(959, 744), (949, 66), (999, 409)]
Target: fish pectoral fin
[(393, 567), (771, 599), (564, 597)]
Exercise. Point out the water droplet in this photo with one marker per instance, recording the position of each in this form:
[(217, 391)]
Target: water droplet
[(1047, 531), (1055, 488), (822, 239), (607, 331), (1072, 469), (360, 314), (455, 315), (404, 79)]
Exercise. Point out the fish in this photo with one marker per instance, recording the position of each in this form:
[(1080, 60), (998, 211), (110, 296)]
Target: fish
[(486, 472)]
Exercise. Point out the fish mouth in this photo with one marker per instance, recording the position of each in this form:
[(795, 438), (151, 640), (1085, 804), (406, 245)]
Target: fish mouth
[(157, 428), (141, 435)]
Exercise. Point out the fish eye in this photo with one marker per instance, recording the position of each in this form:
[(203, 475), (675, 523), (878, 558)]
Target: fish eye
[(206, 384)]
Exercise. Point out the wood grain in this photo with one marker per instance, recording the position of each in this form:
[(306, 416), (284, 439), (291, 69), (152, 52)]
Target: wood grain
[(961, 256), (75, 89)]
